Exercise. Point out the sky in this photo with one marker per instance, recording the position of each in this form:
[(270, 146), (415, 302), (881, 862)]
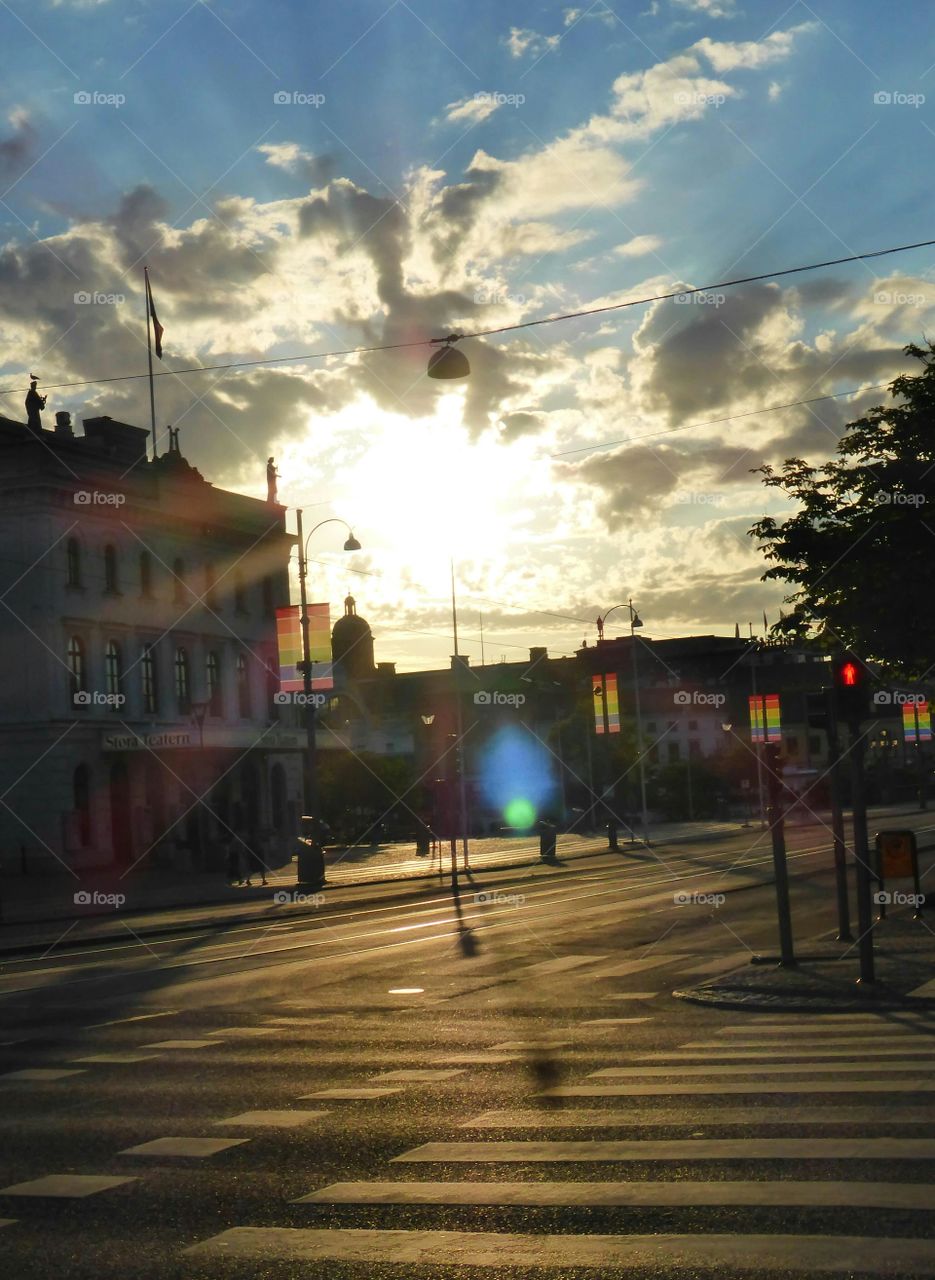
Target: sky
[(305, 178)]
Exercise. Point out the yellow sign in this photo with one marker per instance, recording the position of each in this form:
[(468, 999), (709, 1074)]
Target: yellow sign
[(897, 854)]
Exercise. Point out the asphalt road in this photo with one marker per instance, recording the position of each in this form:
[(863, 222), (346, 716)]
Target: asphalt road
[(541, 1107)]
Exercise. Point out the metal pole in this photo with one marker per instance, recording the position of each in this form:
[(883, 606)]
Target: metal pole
[(760, 714), (837, 824), (149, 356), (310, 771), (459, 724), (639, 728), (861, 857), (780, 870)]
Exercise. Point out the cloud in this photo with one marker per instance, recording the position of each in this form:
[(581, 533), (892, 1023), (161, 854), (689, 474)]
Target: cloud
[(521, 41), (595, 13), (638, 246), (472, 110), (710, 8), (19, 146), (316, 170)]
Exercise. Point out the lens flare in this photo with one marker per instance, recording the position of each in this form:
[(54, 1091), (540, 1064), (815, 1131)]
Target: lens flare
[(516, 776)]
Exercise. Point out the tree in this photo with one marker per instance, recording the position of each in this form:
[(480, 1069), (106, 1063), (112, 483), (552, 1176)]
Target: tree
[(861, 547)]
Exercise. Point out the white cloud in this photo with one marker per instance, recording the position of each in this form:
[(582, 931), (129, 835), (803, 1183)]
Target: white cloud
[(639, 245), (474, 109), (710, 8), (521, 41)]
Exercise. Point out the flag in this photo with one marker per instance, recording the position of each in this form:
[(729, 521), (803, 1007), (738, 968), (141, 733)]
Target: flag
[(157, 327), (289, 635), (765, 722)]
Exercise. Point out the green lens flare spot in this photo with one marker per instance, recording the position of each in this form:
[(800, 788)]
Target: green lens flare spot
[(519, 813)]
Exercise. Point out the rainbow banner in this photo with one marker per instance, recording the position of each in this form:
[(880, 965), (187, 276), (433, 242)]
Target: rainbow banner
[(917, 730), (765, 722), (605, 690), (289, 637)]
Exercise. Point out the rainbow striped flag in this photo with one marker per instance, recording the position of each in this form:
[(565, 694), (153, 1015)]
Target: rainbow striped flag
[(605, 688), (765, 721), (924, 733), (289, 637)]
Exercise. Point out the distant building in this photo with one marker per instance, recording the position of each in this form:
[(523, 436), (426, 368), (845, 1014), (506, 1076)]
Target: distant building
[(138, 600)]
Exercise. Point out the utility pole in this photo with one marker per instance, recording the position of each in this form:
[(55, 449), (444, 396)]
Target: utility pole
[(776, 819), (861, 857)]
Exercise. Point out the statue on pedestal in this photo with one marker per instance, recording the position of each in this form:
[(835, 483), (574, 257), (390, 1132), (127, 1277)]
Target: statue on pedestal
[(272, 476), (35, 403)]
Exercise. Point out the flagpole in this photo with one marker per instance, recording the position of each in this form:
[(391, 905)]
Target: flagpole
[(149, 356)]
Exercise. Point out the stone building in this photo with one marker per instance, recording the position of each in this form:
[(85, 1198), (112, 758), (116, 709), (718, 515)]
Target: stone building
[(139, 656)]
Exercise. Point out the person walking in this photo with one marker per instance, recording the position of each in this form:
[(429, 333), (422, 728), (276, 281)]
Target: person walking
[(255, 866)]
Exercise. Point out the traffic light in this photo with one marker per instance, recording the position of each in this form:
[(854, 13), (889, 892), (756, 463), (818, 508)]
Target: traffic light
[(850, 682)]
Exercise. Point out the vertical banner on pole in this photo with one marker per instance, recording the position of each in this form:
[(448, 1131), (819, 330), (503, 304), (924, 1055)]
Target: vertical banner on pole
[(605, 687), (765, 719), (917, 721), (289, 638)]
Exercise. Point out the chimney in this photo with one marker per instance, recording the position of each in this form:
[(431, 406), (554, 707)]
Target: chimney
[(63, 427), (386, 668), (537, 653)]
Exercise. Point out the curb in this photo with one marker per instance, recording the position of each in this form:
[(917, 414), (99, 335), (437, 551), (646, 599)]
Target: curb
[(782, 1002)]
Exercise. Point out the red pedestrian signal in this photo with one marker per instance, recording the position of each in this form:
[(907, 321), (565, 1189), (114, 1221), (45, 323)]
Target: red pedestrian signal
[(851, 683)]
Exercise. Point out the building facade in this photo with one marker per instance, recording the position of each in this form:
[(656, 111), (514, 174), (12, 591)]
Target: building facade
[(137, 722)]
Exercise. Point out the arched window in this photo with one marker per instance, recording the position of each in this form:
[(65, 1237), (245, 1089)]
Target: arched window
[(148, 678), (81, 802), (73, 553), (146, 574), (111, 580), (76, 668), (178, 580), (183, 688), (213, 674), (243, 687), (113, 673)]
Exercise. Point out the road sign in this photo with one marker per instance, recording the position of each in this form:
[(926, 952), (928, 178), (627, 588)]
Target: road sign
[(897, 853)]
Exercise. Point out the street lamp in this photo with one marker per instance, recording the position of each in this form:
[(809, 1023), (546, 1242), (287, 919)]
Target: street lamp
[(448, 362), (311, 770), (635, 621)]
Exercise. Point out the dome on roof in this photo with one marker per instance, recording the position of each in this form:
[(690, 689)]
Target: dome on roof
[(352, 643)]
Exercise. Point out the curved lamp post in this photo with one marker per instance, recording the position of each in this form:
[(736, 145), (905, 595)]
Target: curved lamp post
[(635, 621), (311, 757)]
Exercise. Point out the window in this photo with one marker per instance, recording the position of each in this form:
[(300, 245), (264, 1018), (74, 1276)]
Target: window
[(693, 726), (651, 726), (81, 802), (240, 593), (243, 686), (113, 674), (792, 746), (213, 674), (694, 749), (76, 667), (814, 745), (183, 688), (146, 574), (148, 677), (675, 753), (178, 580), (111, 580), (73, 553)]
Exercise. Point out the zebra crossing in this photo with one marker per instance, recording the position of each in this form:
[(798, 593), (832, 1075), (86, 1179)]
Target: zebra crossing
[(630, 1122), (740, 1059)]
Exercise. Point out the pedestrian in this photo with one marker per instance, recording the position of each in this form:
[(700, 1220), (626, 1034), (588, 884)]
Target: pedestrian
[(255, 866)]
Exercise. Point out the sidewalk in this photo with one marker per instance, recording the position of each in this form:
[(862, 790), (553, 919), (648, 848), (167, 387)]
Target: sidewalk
[(146, 901), (904, 965)]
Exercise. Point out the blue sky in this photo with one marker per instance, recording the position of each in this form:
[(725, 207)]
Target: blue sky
[(450, 166)]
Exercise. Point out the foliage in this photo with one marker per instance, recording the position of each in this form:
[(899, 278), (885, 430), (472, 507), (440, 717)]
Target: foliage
[(860, 548)]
